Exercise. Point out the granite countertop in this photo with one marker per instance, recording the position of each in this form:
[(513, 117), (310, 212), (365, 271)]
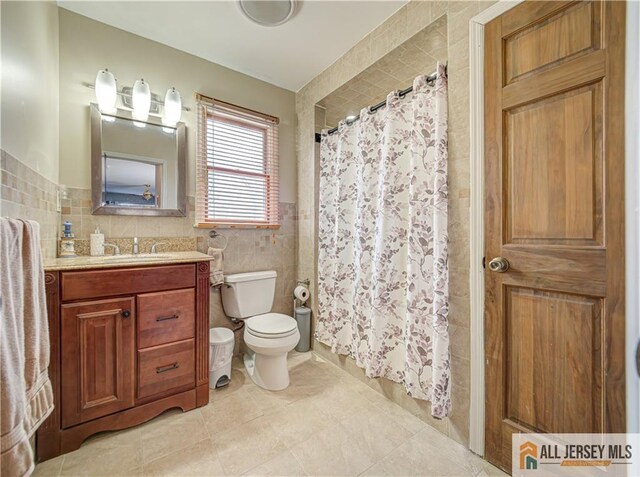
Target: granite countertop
[(116, 261)]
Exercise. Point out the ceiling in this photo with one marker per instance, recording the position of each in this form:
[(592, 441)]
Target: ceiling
[(288, 56)]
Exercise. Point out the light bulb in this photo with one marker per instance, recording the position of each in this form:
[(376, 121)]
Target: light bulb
[(141, 99), (106, 91), (172, 107)]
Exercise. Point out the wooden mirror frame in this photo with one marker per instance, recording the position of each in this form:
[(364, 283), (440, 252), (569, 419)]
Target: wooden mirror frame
[(97, 173)]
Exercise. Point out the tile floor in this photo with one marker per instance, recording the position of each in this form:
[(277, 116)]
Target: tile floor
[(325, 423)]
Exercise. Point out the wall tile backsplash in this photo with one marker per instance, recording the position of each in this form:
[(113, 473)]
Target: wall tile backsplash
[(26, 194), (125, 244)]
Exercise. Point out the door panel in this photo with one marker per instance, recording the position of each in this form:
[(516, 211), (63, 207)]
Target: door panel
[(552, 155), (554, 158), (98, 359), (546, 41), (554, 371)]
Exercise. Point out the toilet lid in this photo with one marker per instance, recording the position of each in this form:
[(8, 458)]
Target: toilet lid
[(271, 325)]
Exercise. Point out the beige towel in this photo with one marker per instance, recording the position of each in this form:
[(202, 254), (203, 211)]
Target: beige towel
[(26, 395), (216, 267)]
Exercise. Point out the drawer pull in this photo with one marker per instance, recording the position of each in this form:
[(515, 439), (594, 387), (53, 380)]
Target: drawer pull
[(164, 369), (165, 318)]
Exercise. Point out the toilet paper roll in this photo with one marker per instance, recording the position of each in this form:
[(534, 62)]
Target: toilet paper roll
[(301, 293)]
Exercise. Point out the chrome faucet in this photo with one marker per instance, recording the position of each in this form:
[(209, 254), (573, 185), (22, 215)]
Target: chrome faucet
[(136, 248), (154, 247), (116, 249)]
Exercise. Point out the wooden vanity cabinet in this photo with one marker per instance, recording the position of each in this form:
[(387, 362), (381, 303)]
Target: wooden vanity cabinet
[(126, 345), (98, 359)]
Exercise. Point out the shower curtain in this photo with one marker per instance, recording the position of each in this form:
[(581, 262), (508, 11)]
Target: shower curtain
[(382, 257)]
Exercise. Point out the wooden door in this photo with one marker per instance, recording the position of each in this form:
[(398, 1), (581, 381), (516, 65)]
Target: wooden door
[(98, 344), (554, 158)]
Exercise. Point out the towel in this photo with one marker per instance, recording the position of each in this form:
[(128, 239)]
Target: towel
[(216, 276), (26, 396)]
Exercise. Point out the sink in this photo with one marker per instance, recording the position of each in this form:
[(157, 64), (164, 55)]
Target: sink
[(131, 257)]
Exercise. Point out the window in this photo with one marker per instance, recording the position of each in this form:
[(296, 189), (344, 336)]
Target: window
[(237, 166)]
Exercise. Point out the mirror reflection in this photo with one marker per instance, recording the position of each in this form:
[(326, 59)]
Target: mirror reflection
[(140, 164)]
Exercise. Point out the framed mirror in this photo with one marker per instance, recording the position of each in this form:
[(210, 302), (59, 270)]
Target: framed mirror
[(137, 168)]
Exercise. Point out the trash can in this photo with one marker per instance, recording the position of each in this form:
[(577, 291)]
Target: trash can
[(220, 355), (303, 318)]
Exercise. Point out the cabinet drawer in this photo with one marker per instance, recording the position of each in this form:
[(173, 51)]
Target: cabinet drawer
[(166, 317), (129, 281), (165, 367)]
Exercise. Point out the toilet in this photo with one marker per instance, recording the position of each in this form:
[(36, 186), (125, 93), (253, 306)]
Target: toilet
[(269, 336)]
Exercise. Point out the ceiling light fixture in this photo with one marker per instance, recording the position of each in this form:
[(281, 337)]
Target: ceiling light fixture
[(268, 12), (106, 91), (141, 100)]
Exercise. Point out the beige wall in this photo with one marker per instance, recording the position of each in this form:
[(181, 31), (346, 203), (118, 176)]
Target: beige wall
[(30, 84), (87, 46), (29, 130), (403, 25)]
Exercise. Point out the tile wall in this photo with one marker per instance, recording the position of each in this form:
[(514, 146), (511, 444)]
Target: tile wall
[(394, 71), (27, 194)]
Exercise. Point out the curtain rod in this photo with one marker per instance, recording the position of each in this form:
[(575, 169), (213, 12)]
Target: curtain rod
[(381, 104), (213, 101)]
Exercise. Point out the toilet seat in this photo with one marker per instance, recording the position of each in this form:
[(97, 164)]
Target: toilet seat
[(271, 326)]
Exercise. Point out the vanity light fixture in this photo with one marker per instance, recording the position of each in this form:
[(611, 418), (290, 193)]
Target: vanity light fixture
[(172, 107), (141, 100), (106, 91)]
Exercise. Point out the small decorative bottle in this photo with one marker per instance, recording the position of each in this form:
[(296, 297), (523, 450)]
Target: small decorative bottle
[(67, 242)]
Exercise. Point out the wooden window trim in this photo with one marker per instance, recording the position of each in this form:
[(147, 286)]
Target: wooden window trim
[(207, 112)]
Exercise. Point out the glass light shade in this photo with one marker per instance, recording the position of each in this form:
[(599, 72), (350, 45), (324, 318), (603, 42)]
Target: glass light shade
[(172, 107), (106, 91), (141, 100)]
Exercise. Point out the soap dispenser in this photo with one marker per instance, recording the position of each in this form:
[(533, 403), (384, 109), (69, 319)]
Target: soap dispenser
[(97, 242)]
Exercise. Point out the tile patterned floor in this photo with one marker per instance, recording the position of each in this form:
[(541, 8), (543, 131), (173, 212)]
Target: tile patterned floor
[(325, 423)]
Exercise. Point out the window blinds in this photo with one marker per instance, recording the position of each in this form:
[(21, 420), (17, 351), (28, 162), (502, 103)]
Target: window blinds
[(237, 166)]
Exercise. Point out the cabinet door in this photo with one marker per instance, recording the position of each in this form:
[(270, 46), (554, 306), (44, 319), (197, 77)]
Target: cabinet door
[(98, 345)]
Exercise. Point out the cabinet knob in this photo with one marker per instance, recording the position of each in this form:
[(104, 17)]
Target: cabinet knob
[(126, 313)]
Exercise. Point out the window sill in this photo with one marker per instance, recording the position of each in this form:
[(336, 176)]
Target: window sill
[(235, 226)]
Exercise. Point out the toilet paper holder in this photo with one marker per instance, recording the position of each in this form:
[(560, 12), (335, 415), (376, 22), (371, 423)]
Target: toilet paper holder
[(297, 302)]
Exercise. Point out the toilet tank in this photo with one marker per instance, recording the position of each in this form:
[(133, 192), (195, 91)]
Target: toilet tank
[(248, 294)]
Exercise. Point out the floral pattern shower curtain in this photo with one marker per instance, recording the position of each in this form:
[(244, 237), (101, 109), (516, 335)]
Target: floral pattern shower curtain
[(382, 262)]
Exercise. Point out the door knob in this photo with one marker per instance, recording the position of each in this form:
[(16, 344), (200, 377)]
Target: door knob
[(499, 265), (126, 313)]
